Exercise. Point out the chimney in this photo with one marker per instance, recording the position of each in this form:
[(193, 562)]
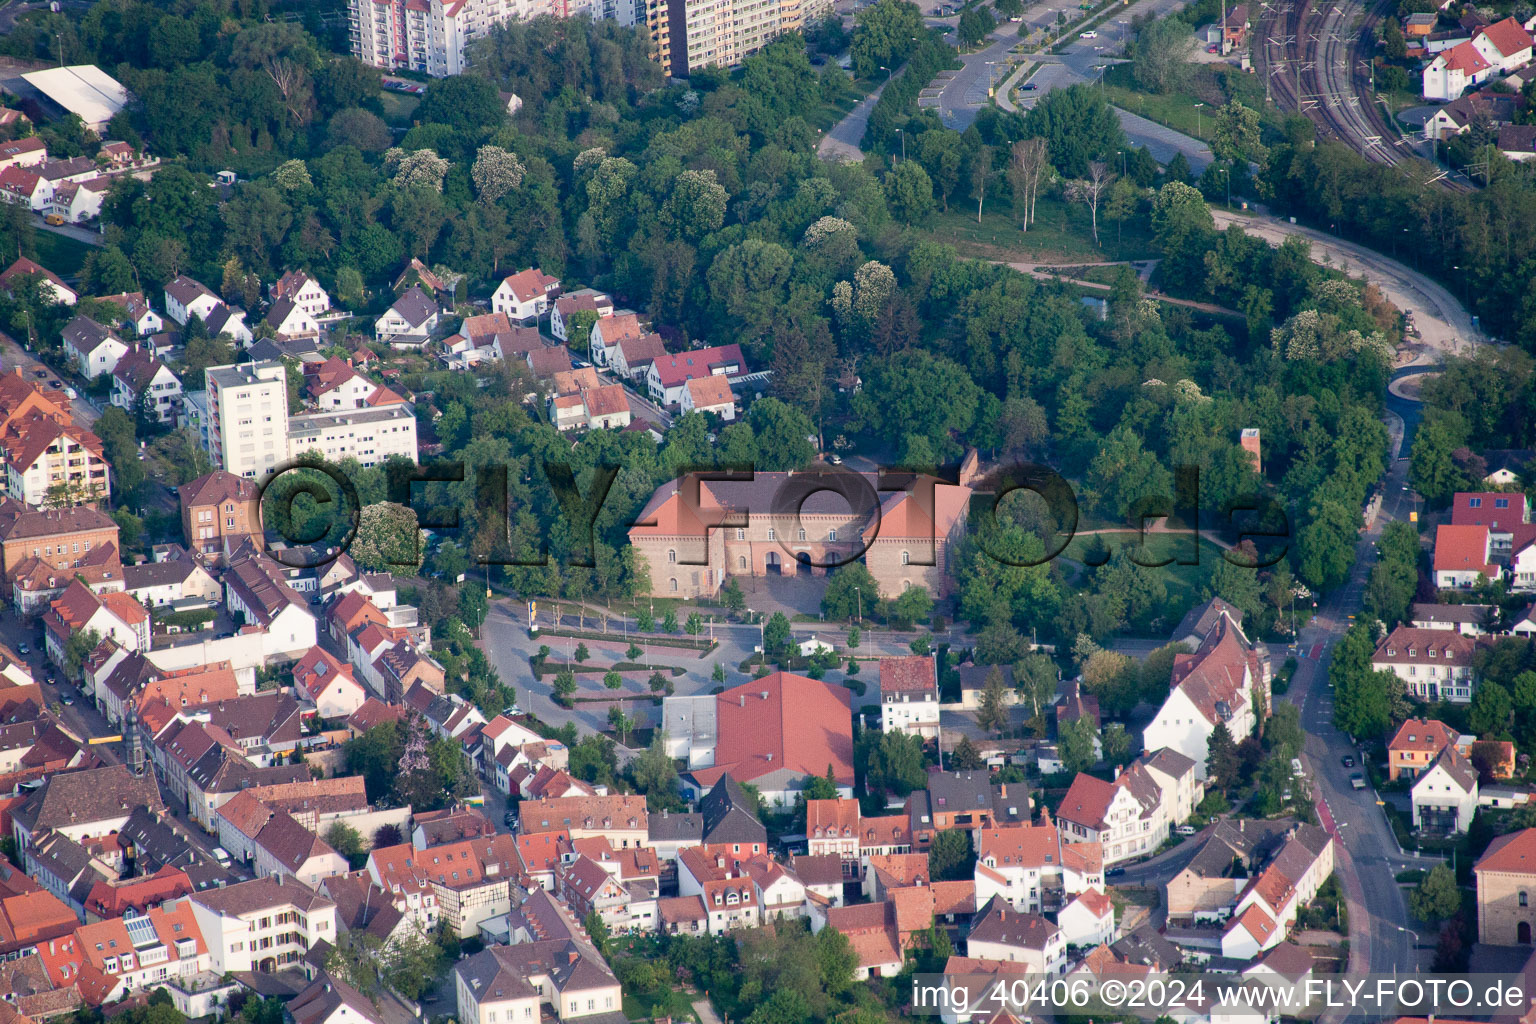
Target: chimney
[(1250, 443)]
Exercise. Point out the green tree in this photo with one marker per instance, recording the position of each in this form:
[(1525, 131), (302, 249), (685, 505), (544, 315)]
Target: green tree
[(849, 589), (1117, 744), (909, 192), (992, 714), (348, 842), (893, 763), (77, 648), (1437, 897), (1221, 758), (965, 757), (1078, 126), (976, 23), (1075, 745), (1160, 59), (1236, 134), (949, 856), (775, 635), (1491, 710), (1362, 695), (655, 773)]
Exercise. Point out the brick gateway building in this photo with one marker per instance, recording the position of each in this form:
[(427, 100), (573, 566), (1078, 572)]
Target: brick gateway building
[(695, 533)]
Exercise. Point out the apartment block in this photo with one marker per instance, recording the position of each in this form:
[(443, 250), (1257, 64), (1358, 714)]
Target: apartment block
[(248, 417)]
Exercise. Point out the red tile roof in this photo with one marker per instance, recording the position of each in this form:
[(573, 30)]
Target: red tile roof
[(1464, 57), (1425, 735), (1087, 801), (672, 370), (782, 722), (1409, 645), (1487, 511), (1463, 549), (908, 673), (1509, 37), (1514, 854)]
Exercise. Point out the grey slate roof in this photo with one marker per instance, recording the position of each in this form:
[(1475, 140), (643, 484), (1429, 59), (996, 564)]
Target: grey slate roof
[(728, 816)]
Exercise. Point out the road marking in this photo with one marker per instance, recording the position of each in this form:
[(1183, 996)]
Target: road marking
[(1316, 652)]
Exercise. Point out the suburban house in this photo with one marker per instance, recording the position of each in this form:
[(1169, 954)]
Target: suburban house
[(140, 381), (304, 291), (999, 932), (288, 319), (525, 296), (967, 800), (1445, 794), (409, 321), (1466, 619), (604, 406), (1124, 817), (1506, 881), (93, 348), (632, 357), (138, 315), (1503, 513), (1434, 664), (1463, 555), (1454, 71), (608, 332), (1215, 685), (25, 188), (1415, 745), (185, 297), (1088, 919), (49, 283), (909, 695), (777, 733), (709, 395), (516, 983), (567, 306), (1458, 116), (1505, 45), (669, 375)]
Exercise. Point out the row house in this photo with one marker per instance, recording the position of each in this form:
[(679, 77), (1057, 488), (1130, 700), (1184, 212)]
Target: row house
[(669, 375), (50, 457), (606, 334), (388, 918), (1232, 851), (472, 880), (1268, 905), (43, 551), (507, 745), (204, 767), (909, 696), (112, 615), (263, 925), (89, 803), (567, 306), (621, 819), (255, 589), (967, 800), (135, 955), (219, 513), (325, 686), (621, 887), (1034, 867)]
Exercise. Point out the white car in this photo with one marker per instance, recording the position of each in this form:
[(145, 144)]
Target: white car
[(1090, 34)]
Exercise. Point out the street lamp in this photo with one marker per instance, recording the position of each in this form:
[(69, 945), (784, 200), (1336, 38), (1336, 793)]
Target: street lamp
[(1227, 174), (859, 597), (903, 143), (1200, 131)]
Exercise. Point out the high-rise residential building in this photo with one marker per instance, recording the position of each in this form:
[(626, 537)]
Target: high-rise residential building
[(248, 417), (693, 34), (431, 36)]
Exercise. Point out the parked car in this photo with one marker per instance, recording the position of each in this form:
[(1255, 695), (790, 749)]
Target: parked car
[(1357, 781), (24, 649), (1186, 830), (54, 220), (1213, 48), (1348, 762), (1090, 34), (1029, 87)]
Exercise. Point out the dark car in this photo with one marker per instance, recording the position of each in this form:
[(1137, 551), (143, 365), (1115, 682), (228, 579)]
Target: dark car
[(1347, 761), (1029, 87)]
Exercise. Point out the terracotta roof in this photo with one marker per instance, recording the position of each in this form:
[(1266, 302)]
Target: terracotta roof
[(1464, 57), (886, 830), (1513, 853), (529, 284), (1257, 923), (608, 400), (1095, 901), (246, 814), (672, 370), (782, 722), (908, 673), (1508, 36), (1212, 678), (1463, 549), (374, 712), (216, 487), (25, 267), (1409, 645), (1424, 735), (1020, 846), (710, 392), (822, 869), (583, 812), (1087, 801), (548, 360), (831, 818)]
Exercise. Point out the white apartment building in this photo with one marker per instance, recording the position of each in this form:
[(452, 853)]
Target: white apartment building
[(248, 417), (909, 696), (262, 925), (368, 435), (431, 36)]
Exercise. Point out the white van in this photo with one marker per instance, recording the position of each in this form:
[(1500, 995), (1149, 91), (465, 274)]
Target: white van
[(1296, 769)]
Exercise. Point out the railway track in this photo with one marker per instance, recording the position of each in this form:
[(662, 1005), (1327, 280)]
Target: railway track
[(1310, 54)]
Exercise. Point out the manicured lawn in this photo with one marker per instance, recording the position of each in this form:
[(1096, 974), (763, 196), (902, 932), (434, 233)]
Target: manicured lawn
[(60, 254), (1210, 86), (1061, 233)]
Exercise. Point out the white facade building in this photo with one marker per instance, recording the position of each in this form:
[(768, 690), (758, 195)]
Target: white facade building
[(248, 417)]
